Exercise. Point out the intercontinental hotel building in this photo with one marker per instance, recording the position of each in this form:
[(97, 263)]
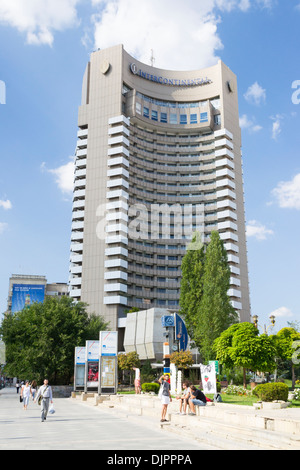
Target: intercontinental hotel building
[(158, 157)]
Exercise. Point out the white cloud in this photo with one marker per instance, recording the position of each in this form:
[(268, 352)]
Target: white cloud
[(255, 94), (3, 227), (39, 19), (246, 123), (276, 127), (287, 193), (181, 38), (282, 312), (6, 204), (64, 176), (257, 230)]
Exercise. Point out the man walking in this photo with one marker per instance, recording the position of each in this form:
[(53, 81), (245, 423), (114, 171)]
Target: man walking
[(45, 391)]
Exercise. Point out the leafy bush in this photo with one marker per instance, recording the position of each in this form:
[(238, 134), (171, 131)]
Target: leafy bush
[(236, 390), (150, 387), (272, 391), (296, 393)]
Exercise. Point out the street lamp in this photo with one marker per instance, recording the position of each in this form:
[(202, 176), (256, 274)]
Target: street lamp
[(272, 323)]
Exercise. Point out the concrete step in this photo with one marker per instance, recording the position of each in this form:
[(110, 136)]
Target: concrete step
[(225, 424)]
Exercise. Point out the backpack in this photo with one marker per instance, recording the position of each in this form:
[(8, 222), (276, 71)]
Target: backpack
[(217, 398)]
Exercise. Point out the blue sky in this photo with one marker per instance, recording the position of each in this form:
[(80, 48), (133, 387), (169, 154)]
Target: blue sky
[(45, 48)]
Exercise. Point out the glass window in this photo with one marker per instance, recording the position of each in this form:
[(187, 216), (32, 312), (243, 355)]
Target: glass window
[(203, 117), (163, 117), (154, 115), (217, 119), (194, 119), (138, 108), (173, 118), (183, 119), (146, 112)]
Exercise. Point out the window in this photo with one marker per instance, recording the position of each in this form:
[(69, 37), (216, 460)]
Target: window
[(163, 117), (138, 108), (217, 119), (173, 118), (194, 119), (183, 119), (146, 112), (203, 117), (154, 115)]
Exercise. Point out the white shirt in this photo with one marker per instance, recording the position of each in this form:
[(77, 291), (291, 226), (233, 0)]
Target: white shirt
[(45, 391), (26, 391)]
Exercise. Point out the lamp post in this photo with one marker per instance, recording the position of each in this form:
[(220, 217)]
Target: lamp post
[(272, 323), (265, 331)]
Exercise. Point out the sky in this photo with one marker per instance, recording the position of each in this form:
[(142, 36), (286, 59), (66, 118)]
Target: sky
[(45, 46)]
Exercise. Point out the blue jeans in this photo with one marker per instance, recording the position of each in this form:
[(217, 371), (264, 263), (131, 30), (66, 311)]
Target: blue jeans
[(198, 402)]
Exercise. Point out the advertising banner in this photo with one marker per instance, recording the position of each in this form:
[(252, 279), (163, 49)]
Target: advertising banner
[(181, 334), (92, 364), (108, 343), (108, 380), (208, 378), (79, 363), (80, 356), (24, 295)]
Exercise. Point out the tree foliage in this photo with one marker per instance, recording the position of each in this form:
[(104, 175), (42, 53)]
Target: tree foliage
[(191, 287), (128, 361), (285, 341), (40, 340), (182, 359), (204, 301), (240, 345)]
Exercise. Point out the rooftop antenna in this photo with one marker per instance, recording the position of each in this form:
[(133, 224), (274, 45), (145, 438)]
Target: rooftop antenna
[(152, 58)]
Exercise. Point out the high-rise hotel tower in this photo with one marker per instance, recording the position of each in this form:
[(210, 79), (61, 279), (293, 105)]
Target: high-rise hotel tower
[(158, 157)]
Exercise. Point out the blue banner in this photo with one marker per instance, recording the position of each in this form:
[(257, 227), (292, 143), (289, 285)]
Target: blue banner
[(24, 295), (181, 334)]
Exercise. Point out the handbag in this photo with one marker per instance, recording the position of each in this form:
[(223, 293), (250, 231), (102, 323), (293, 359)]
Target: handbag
[(160, 391), (21, 399)]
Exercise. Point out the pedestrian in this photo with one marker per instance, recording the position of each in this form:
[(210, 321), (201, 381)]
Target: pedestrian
[(25, 394), (184, 398), (17, 386), (137, 380), (33, 388), (165, 397), (197, 398), (45, 391)]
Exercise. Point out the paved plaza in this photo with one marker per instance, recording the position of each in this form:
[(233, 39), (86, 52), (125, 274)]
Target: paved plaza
[(79, 427)]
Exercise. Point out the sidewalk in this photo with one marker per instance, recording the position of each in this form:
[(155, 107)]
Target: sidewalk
[(75, 427), (224, 425)]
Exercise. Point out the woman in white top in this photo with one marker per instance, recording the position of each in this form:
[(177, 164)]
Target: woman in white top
[(25, 394), (165, 397)]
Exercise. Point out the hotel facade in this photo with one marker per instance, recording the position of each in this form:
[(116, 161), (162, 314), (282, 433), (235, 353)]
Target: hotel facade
[(158, 157)]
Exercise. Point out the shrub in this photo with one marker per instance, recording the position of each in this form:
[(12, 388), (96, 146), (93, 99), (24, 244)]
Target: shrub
[(296, 393), (272, 391), (236, 390), (151, 387)]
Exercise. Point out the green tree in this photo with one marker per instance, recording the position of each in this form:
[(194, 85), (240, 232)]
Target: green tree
[(285, 339), (128, 361), (182, 359), (240, 345), (40, 340), (191, 287), (215, 312)]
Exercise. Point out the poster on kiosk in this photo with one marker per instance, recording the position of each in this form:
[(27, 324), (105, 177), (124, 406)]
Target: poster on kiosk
[(79, 368), (108, 362), (91, 365)]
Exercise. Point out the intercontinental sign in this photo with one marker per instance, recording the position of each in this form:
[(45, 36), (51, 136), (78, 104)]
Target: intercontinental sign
[(169, 81)]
